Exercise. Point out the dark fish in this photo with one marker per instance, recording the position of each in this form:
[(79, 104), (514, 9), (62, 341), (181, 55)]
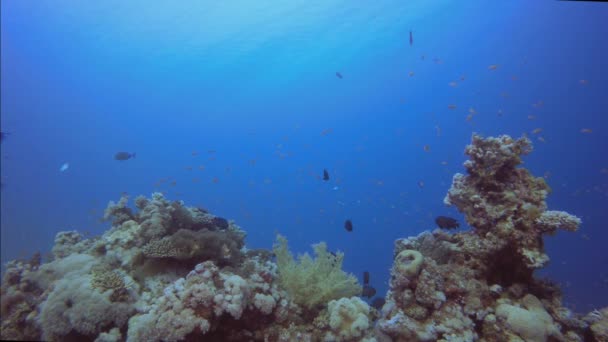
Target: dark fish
[(220, 223), (365, 278), (348, 225), (378, 303), (368, 291), (411, 38), (3, 135), (338, 75), (124, 155), (445, 222), (325, 175)]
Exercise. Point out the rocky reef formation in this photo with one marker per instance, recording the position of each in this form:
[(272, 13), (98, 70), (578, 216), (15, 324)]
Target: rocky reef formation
[(479, 284), (167, 272)]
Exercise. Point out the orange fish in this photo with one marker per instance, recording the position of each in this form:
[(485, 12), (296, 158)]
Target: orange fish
[(493, 67), (202, 167), (215, 180), (173, 183), (586, 130), (469, 117), (472, 111)]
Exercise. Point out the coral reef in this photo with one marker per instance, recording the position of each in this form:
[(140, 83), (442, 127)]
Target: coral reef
[(479, 284), (168, 272)]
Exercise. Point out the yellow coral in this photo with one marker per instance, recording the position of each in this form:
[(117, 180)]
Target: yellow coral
[(313, 282)]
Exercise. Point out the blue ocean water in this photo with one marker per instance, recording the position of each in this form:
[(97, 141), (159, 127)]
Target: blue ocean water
[(236, 107)]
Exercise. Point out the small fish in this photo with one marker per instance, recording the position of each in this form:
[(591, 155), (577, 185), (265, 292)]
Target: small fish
[(583, 82), (335, 188), (493, 67), (537, 130), (411, 38), (411, 74), (452, 106), (3, 135), (348, 225), (421, 184), (445, 222), (195, 153), (124, 156), (453, 84), (64, 167), (339, 75), (368, 291), (327, 131), (325, 175), (531, 117), (365, 278), (538, 104), (426, 148), (586, 130), (215, 180)]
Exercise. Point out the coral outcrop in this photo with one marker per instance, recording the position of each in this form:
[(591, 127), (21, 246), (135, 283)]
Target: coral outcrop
[(479, 284)]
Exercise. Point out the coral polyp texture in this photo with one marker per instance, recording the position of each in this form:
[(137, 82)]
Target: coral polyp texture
[(168, 272)]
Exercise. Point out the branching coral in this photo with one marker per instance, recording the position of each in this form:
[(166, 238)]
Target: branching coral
[(313, 282)]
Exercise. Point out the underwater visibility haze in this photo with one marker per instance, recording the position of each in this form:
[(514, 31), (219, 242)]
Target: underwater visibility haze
[(166, 165)]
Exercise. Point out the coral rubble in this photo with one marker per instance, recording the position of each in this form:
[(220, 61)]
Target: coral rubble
[(167, 272)]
